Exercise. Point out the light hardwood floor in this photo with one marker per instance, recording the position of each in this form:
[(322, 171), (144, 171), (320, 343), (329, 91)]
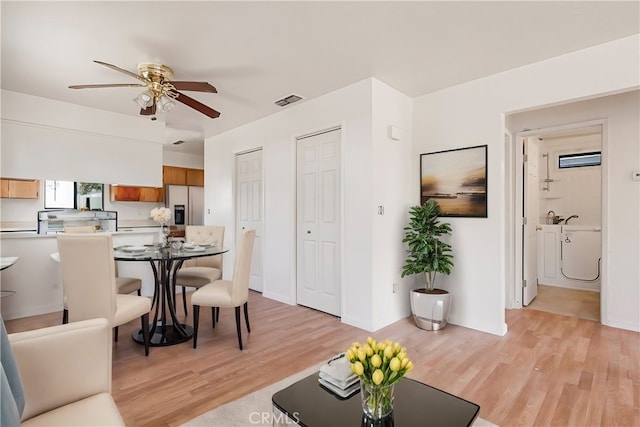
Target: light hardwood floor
[(547, 370), (570, 302)]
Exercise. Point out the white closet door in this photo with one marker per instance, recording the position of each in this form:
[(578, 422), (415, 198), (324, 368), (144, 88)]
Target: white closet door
[(532, 212), (249, 208), (318, 222)]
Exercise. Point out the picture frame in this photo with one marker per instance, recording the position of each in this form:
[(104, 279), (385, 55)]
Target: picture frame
[(457, 179)]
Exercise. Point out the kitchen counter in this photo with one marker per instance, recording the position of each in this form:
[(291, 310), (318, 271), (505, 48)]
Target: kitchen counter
[(36, 279), (20, 234)]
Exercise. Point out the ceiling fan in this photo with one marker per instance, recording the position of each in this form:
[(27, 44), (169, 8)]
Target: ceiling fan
[(160, 91)]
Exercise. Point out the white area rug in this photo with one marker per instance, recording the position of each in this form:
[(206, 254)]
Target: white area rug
[(255, 409)]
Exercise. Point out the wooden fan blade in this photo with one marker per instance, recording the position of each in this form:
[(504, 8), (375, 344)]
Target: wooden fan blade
[(196, 105), (149, 111), (106, 85), (122, 70), (194, 86)]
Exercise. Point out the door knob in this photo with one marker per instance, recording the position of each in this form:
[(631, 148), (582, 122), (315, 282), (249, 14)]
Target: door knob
[(308, 231)]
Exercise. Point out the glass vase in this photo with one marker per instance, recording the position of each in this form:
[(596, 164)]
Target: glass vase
[(377, 400), (163, 238)]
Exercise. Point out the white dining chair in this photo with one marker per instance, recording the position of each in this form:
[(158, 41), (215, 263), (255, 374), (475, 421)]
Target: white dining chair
[(228, 293), (197, 272), (89, 283), (124, 285)]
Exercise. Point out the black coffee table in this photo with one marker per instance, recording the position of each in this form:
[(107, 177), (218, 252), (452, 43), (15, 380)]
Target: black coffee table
[(309, 404)]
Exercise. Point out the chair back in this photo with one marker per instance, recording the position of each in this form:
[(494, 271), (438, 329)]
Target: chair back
[(84, 229), (205, 234), (88, 275), (242, 268)]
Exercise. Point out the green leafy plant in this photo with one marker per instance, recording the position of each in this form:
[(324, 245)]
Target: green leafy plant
[(427, 253), (89, 187)]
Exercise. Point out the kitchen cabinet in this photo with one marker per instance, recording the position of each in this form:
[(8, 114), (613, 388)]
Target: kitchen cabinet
[(151, 194), (195, 177), (20, 188), (174, 175), (124, 193)]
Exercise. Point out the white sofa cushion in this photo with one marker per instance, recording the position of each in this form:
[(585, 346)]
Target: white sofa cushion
[(96, 410)]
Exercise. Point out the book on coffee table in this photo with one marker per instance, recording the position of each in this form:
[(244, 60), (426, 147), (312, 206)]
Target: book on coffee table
[(337, 376)]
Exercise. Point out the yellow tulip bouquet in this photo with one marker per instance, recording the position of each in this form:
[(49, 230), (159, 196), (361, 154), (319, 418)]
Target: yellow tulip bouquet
[(379, 364)]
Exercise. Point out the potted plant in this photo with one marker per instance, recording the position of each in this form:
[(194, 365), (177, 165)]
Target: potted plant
[(428, 255)]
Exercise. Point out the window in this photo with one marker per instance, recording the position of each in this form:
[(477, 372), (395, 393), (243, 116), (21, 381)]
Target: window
[(89, 196), (73, 195), (578, 160), (59, 194)]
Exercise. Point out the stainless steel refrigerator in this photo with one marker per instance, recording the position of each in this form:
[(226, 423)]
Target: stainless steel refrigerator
[(186, 204)]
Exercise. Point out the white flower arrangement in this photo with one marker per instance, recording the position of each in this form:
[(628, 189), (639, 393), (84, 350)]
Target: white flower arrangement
[(161, 215)]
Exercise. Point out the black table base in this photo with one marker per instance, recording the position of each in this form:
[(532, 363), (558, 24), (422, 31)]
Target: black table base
[(161, 336), (165, 328)]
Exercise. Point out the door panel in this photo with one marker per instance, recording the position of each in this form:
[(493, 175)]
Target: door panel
[(196, 205), (309, 270), (318, 223), (249, 208), (532, 212)]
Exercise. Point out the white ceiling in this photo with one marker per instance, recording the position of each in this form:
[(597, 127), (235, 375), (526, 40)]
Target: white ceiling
[(257, 52)]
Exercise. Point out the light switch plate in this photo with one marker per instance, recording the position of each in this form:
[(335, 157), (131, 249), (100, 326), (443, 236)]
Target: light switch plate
[(395, 133)]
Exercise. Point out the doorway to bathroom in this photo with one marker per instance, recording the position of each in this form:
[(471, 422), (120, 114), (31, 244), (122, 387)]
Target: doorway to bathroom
[(561, 240)]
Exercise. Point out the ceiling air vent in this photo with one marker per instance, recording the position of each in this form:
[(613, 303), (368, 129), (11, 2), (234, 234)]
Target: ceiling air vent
[(178, 142), (288, 100)]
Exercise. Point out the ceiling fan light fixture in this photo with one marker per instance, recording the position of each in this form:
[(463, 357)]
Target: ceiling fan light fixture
[(161, 91), (145, 99), (165, 103)]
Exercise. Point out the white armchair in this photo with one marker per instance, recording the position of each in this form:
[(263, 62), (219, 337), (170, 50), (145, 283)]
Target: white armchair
[(63, 376)]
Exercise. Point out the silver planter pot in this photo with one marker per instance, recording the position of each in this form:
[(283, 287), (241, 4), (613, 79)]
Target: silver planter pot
[(430, 310)]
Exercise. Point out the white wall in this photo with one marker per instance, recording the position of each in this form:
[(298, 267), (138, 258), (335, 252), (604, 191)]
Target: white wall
[(364, 170), (391, 189), (473, 114), (574, 191), (183, 160), (621, 196), (48, 139)]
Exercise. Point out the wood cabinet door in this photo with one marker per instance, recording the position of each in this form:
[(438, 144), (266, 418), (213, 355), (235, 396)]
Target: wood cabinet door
[(151, 194), (195, 177), (21, 189), (4, 188), (122, 193), (173, 175)]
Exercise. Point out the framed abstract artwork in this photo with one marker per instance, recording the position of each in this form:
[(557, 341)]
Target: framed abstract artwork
[(457, 179)]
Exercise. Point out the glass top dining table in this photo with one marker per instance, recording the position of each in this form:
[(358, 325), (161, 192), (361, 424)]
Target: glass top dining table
[(165, 329)]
